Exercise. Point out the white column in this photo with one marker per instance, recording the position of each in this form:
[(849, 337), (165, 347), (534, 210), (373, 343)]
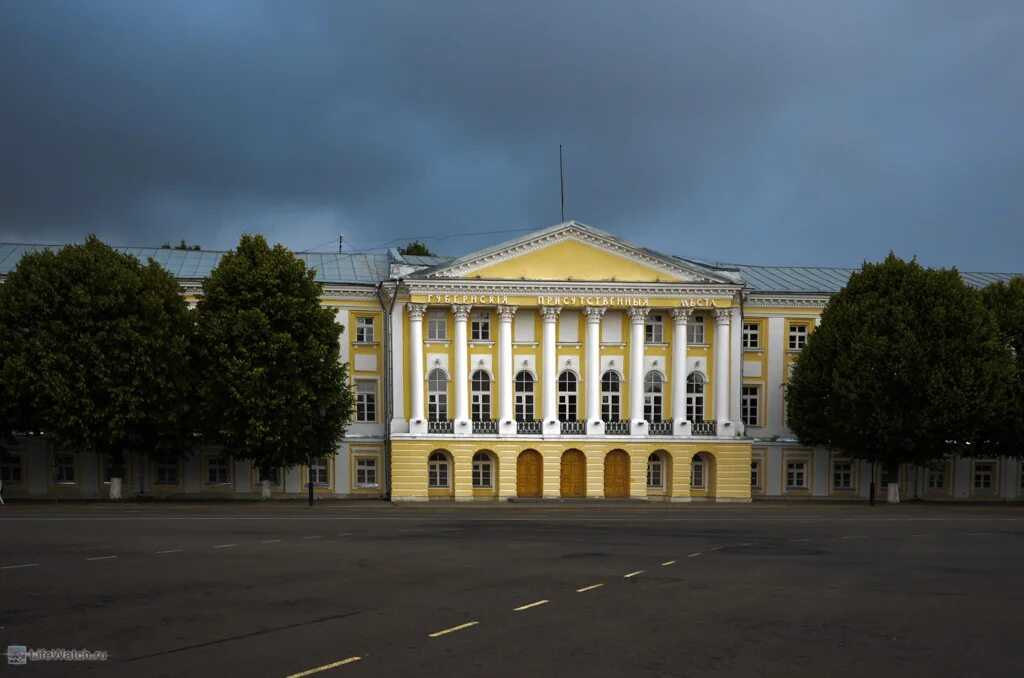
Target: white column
[(637, 424), (736, 371), (506, 412), (417, 420), (593, 353), (460, 371), (680, 317), (723, 317), (550, 371)]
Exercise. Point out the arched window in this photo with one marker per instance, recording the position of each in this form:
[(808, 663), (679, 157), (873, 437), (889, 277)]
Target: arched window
[(697, 472), (695, 398), (654, 385), (481, 396), (524, 396), (482, 470), (655, 467), (437, 396), (611, 396), (567, 393), (437, 470)]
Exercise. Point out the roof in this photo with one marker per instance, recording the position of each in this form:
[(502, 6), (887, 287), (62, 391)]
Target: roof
[(823, 280), (336, 268)]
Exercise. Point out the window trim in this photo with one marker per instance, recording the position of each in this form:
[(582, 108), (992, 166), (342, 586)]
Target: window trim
[(487, 461), (571, 398), (994, 479), (745, 407), (15, 459), (696, 401), (434, 317), (655, 323), (361, 329), (654, 400), (365, 457), (696, 322), (611, 396), (365, 406), (443, 458), (480, 324), (797, 456), (178, 473), (656, 461), (210, 457), (852, 489), (792, 333), (751, 328), (757, 460), (523, 399)]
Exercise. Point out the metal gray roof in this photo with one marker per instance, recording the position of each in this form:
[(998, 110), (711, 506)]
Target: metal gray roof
[(337, 268), (812, 279)]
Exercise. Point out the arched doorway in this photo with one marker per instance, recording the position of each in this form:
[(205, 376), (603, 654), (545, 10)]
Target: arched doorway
[(529, 474), (616, 474), (574, 474), (703, 475)]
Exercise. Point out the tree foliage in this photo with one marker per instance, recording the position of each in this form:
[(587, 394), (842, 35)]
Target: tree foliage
[(907, 366), (271, 386), (416, 248), (94, 351), (182, 245), (1006, 303)]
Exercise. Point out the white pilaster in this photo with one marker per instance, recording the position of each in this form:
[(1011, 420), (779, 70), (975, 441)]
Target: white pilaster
[(417, 419), (549, 315), (460, 371), (680, 317), (593, 377), (506, 417), (637, 424), (723, 317), (736, 371)]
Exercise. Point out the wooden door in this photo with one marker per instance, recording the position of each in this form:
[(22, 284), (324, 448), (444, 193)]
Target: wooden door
[(574, 474), (529, 474), (616, 474)]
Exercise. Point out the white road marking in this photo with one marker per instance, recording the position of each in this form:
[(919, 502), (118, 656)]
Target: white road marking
[(668, 562), (225, 546), (693, 555), (747, 543), (169, 551), (16, 567), (454, 629), (325, 667), (633, 574), (716, 548), (271, 541), (314, 537), (102, 558), (529, 605), (344, 534), (589, 588)]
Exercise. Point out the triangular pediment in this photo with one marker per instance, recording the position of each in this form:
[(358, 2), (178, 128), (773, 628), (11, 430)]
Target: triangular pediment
[(576, 252)]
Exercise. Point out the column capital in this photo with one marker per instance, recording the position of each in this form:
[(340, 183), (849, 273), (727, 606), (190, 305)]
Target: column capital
[(638, 314), (461, 311), (506, 313), (550, 313), (681, 316), (416, 311), (723, 316), (594, 313)]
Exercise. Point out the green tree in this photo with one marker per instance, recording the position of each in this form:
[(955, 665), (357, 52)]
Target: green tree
[(272, 388), (416, 248), (1005, 300), (94, 351), (906, 367)]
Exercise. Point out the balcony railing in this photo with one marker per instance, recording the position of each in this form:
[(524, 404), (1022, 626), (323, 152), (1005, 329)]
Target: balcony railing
[(440, 426), (576, 426), (485, 426), (704, 428), (659, 428), (532, 426), (616, 427)]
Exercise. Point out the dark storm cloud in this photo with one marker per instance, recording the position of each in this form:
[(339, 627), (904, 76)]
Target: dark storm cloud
[(782, 132)]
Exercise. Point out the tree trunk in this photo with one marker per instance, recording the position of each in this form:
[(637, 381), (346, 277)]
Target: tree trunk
[(871, 490), (116, 473)]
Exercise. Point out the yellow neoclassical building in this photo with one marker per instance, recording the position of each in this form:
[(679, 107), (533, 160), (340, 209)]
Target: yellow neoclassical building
[(565, 364)]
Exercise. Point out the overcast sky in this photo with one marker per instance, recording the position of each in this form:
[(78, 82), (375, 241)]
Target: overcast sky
[(771, 132)]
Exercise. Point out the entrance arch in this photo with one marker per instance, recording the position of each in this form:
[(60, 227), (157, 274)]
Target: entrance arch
[(529, 474), (616, 474), (574, 474)]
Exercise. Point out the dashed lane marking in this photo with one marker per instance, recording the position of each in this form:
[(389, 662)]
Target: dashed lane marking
[(589, 588), (668, 562), (632, 574), (102, 558), (160, 553), (747, 543), (453, 629), (18, 567), (716, 548), (225, 546), (271, 541), (325, 667), (694, 555), (529, 605)]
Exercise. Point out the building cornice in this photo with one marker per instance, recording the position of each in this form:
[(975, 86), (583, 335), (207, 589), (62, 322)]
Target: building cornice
[(781, 300), (537, 288)]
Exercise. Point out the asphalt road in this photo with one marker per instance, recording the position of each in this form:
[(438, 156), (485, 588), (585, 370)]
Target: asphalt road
[(778, 589)]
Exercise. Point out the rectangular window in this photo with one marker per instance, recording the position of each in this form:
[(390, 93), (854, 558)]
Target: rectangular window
[(366, 472), (480, 327), (797, 336), (218, 471), (937, 479), (480, 406), (437, 473), (984, 475), (167, 473), (364, 329), (796, 475), (654, 329), (750, 408), (695, 330), (751, 335), (842, 475), (481, 472), (755, 475), (654, 471), (10, 469), (437, 325), (697, 474), (64, 468), (366, 400), (318, 472)]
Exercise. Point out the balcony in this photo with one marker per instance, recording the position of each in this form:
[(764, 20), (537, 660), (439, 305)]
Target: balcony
[(574, 427), (531, 426), (616, 427), (659, 428), (440, 426), (486, 426), (704, 428)]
